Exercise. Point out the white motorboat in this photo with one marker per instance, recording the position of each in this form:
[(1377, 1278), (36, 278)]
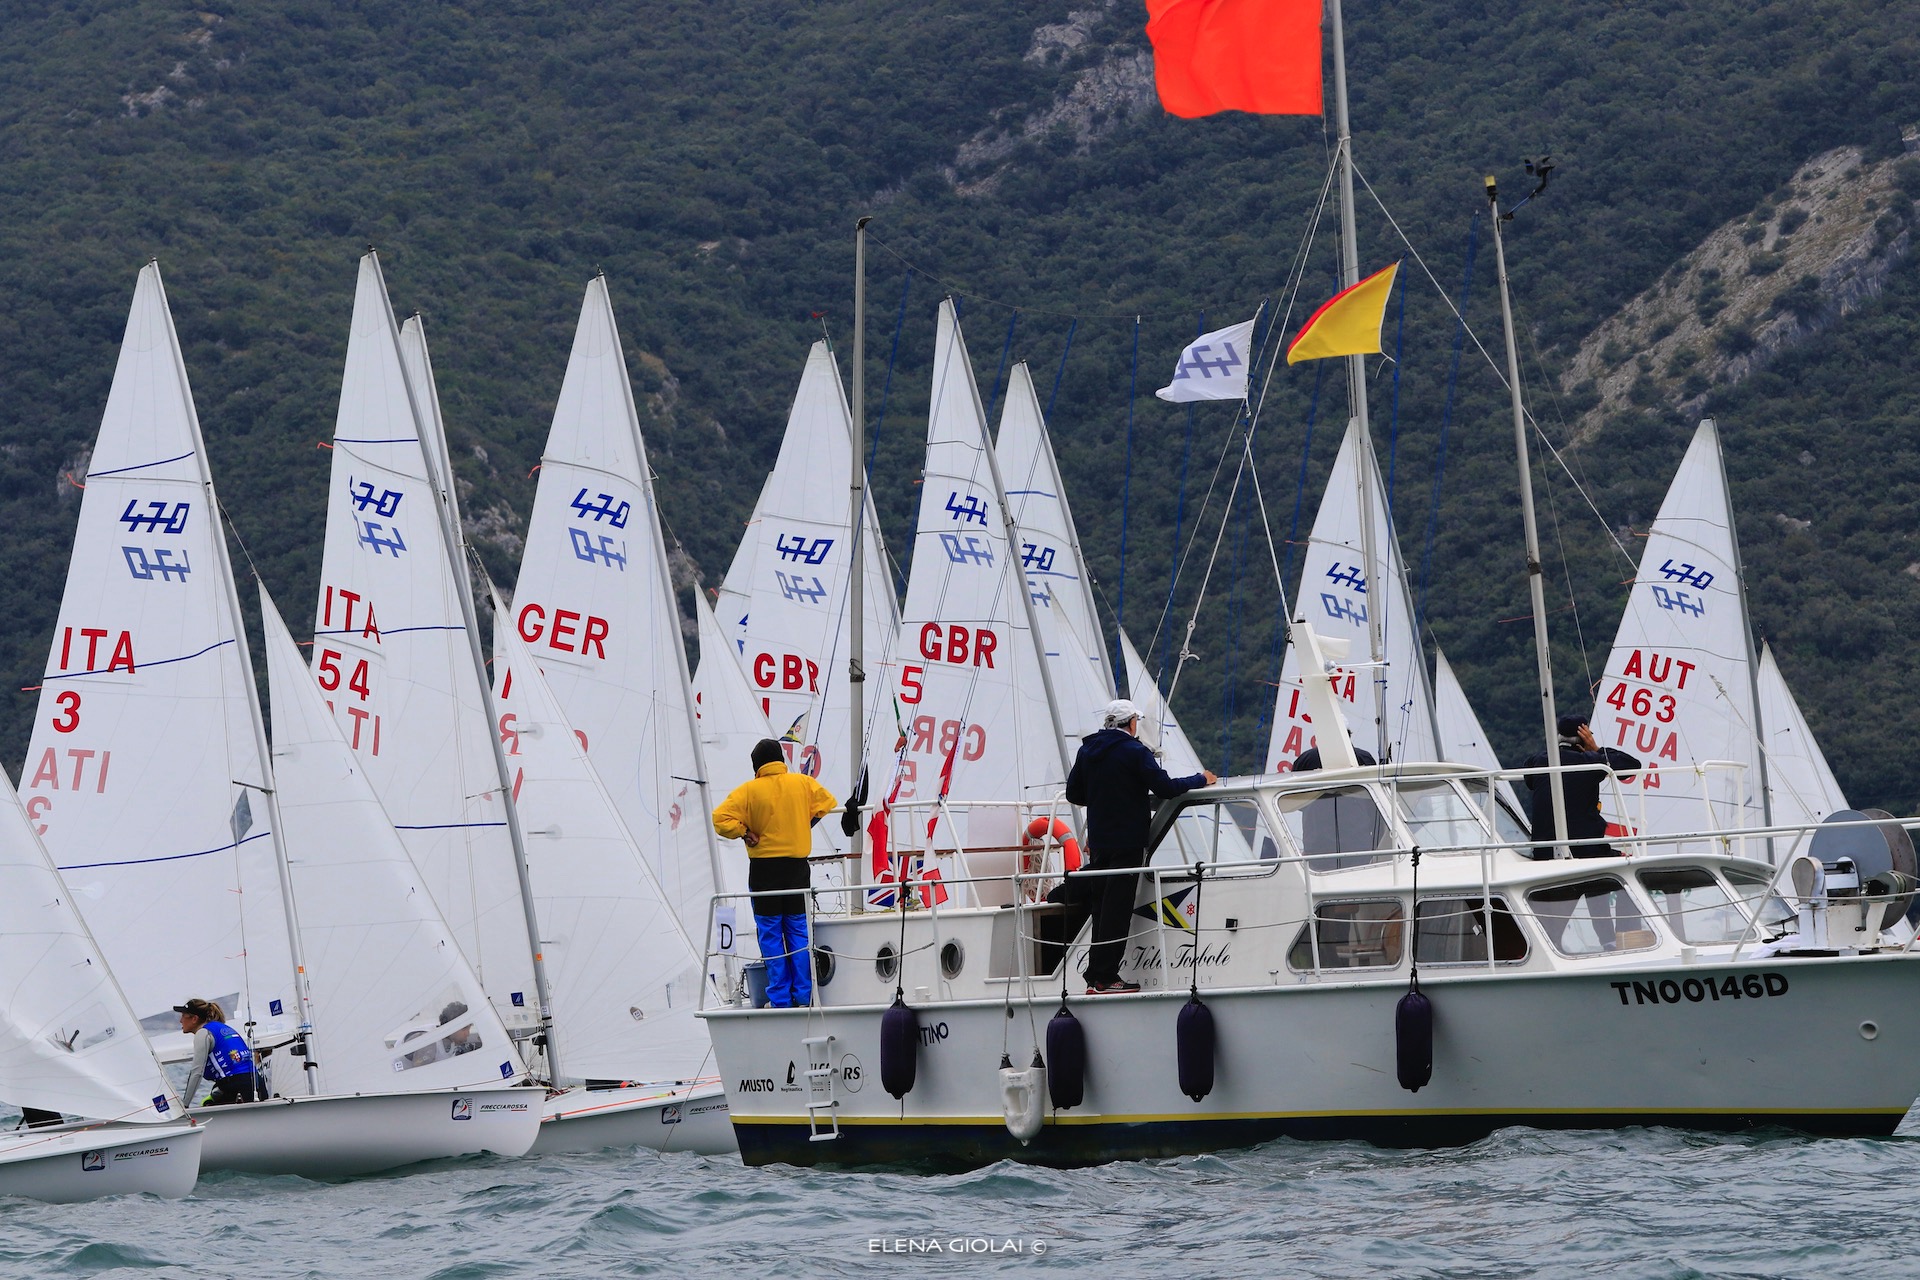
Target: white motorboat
[(1593, 993)]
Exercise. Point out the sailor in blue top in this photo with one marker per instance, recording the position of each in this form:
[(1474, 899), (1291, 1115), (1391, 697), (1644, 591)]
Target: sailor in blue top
[(1116, 777), (220, 1055)]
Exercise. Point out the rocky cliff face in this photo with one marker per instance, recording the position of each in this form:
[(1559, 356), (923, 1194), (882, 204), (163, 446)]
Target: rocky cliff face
[(1108, 88), (1817, 249)]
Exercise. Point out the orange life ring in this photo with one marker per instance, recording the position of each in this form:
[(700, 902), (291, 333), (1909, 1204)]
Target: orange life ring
[(1041, 828)]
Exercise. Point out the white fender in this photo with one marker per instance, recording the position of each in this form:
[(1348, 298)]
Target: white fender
[(1023, 1096)]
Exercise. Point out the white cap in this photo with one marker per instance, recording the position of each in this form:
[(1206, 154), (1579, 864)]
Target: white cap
[(1119, 713)]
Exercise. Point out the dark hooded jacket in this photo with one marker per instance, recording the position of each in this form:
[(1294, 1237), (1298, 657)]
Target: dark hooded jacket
[(1116, 778)]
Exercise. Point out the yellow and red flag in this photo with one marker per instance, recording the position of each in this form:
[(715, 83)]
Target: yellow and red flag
[(1261, 56), (1348, 323)]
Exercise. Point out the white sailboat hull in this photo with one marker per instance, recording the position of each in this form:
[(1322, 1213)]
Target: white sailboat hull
[(1829, 1047), (661, 1119), (337, 1136), (67, 1166)]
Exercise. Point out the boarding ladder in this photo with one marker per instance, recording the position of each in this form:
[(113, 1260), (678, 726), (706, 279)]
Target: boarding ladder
[(820, 1097)]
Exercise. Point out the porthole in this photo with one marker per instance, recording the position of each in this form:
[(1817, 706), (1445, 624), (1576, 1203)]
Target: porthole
[(953, 958), (823, 964), (887, 963)]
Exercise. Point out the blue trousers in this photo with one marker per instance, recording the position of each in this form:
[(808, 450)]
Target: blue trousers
[(783, 945)]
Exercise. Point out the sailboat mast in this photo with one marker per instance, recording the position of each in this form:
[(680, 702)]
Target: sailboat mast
[(440, 480), (857, 484), (1535, 584), (1357, 385), (265, 786)]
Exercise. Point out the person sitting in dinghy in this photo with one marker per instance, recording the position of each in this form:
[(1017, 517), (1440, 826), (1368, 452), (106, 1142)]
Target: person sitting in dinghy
[(774, 812), (220, 1056), (1582, 789)]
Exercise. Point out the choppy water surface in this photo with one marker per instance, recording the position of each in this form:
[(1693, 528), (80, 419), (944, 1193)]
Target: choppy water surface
[(1640, 1202)]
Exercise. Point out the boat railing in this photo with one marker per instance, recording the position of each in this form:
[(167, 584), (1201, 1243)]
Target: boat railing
[(930, 897)]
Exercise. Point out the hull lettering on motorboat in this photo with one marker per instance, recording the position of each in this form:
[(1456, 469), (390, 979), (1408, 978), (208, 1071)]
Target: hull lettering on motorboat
[(1754, 986), (1148, 957)]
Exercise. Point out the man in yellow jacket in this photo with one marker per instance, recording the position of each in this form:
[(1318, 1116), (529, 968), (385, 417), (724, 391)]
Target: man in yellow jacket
[(774, 813)]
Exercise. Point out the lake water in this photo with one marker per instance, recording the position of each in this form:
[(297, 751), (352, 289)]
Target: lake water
[(1637, 1202)]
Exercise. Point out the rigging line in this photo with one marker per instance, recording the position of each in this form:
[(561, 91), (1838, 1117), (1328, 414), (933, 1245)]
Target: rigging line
[(1062, 370), (1226, 448), (1499, 374), (953, 287), (1229, 689), (1179, 516), (1273, 557), (1000, 374), (1207, 578), (1446, 420), (1296, 276), (1393, 412), (893, 356), (1573, 600), (1306, 455), (1126, 494)]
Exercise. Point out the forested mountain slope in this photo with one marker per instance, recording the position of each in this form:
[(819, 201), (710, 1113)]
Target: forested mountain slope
[(712, 159)]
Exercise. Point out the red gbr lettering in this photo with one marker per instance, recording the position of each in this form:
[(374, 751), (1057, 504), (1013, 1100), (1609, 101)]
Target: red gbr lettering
[(1656, 668), (788, 671), (47, 773), (568, 630), (89, 638), (925, 730), (942, 643), (345, 606)]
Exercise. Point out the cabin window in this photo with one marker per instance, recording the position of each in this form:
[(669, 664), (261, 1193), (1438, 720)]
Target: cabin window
[(1509, 823), (1217, 831), (1343, 827), (1454, 931), (1696, 907), (1591, 917), (1755, 891), (1439, 817), (1352, 935)]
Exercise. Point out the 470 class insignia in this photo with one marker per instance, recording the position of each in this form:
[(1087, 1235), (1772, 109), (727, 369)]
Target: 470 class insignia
[(1752, 986)]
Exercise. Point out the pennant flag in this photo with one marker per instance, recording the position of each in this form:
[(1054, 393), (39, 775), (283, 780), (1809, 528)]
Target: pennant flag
[(1261, 56), (1213, 366), (1348, 323)]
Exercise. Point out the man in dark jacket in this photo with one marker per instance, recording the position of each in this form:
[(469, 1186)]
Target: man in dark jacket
[(1116, 778), (1582, 787)]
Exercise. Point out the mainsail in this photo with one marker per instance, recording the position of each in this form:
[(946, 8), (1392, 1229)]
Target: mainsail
[(146, 775), (1056, 570), (69, 1042), (796, 635), (397, 1005), (731, 722), (1803, 789), (624, 974), (596, 607), (973, 694), (1679, 689), (1336, 591), (393, 654)]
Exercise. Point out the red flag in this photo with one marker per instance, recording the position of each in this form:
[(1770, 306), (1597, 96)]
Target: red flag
[(1261, 56)]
